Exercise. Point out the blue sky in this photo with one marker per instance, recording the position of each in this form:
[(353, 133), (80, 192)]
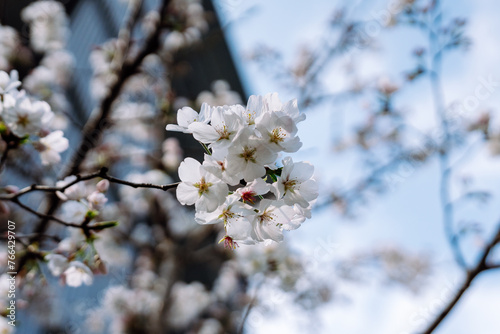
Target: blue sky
[(409, 215)]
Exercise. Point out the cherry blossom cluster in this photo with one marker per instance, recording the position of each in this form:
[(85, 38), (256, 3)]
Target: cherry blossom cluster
[(80, 202), (239, 184), (48, 25), (10, 44), (26, 119), (76, 258)]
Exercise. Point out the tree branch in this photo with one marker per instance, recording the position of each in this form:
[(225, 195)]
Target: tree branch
[(439, 104), (471, 275), (94, 128), (79, 178), (251, 304), (493, 266), (42, 215)]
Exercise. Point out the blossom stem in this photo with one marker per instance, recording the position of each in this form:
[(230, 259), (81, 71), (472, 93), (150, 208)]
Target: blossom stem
[(206, 148)]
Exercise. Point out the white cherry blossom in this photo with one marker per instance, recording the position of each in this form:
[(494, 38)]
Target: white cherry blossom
[(271, 218), (249, 193), (75, 192), (78, 274), (243, 144), (57, 263), (73, 211), (254, 108), (24, 117), (50, 146), (296, 186), (250, 158), (8, 82), (231, 211), (217, 165), (200, 187), (224, 126), (187, 116), (97, 200), (279, 132)]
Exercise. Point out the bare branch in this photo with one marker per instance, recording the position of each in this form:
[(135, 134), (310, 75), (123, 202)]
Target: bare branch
[(94, 128), (493, 266), (251, 304), (42, 215), (444, 160), (79, 178), (471, 275)]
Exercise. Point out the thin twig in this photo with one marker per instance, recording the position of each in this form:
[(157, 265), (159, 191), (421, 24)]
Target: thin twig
[(79, 178), (251, 304), (21, 236), (42, 215), (444, 163), (84, 225), (471, 275)]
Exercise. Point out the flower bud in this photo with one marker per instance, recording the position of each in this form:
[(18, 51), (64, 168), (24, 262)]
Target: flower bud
[(102, 186), (11, 189), (4, 209)]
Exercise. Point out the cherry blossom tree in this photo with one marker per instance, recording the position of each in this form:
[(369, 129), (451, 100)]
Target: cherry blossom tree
[(101, 206)]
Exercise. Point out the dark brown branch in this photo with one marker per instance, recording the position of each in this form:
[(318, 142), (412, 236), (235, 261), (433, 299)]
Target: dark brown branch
[(42, 215), (93, 130), (471, 275), (84, 225), (79, 178), (22, 236), (99, 122)]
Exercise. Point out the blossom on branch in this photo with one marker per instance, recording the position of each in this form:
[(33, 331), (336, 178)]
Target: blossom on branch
[(243, 145)]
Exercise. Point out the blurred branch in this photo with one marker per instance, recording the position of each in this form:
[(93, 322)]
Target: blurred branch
[(251, 304), (41, 215), (471, 275), (53, 237), (99, 121), (444, 160), (93, 130), (125, 33), (379, 177)]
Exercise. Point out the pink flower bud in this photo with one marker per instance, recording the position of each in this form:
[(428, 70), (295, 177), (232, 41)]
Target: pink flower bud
[(11, 189), (4, 208), (102, 186)]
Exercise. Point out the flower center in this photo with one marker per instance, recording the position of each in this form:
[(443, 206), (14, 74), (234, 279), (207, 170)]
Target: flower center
[(251, 117), (202, 186), (229, 242), (290, 185), (221, 164), (248, 196), (23, 120), (277, 135), (227, 215), (267, 217), (249, 154), (222, 131)]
